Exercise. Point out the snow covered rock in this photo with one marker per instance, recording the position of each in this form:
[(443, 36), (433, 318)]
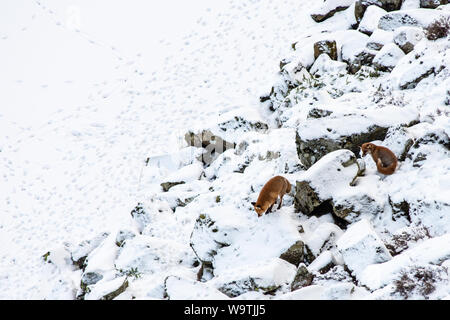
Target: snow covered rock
[(265, 276), (151, 255), (355, 53), (212, 232), (143, 212), (378, 39), (413, 18), (414, 68), (361, 246), (334, 171), (432, 251), (357, 202), (386, 59), (406, 238), (178, 288), (325, 46), (107, 290), (362, 5), (294, 254), (407, 37), (317, 137), (185, 174), (124, 235), (321, 238), (212, 143), (328, 8), (325, 65), (303, 278), (432, 4), (242, 120), (80, 252), (370, 20), (140, 216)]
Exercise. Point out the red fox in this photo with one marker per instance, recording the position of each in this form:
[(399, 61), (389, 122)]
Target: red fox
[(384, 158), (276, 186)]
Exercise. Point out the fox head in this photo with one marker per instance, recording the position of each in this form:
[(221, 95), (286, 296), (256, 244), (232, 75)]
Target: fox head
[(259, 209), (367, 147)]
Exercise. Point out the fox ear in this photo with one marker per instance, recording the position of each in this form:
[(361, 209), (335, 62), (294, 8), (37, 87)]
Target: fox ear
[(253, 203)]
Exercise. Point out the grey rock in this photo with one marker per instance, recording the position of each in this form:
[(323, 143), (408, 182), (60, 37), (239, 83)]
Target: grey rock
[(432, 4), (308, 198), (207, 238), (388, 5), (387, 58), (117, 291), (394, 20), (294, 254), (362, 57), (407, 37), (303, 278), (80, 252), (310, 151), (238, 122), (122, 236), (322, 15), (412, 83), (89, 278), (167, 185), (213, 144), (326, 46)]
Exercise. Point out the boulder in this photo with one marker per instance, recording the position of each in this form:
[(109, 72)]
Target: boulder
[(124, 235), (356, 54), (432, 4), (212, 143), (326, 46), (328, 8), (242, 120), (151, 255), (107, 290), (167, 185), (408, 18), (334, 171), (386, 59), (362, 5), (324, 65), (358, 203), (360, 246), (411, 80), (377, 275), (322, 238), (140, 217), (295, 253), (310, 151), (303, 278), (80, 252), (317, 137), (370, 20), (407, 37), (379, 38), (208, 236), (88, 279), (178, 288), (265, 276)]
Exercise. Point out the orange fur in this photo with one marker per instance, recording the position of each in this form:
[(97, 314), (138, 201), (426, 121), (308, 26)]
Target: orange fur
[(276, 187), (384, 158)]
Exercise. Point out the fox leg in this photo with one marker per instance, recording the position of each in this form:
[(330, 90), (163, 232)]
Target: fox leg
[(281, 201), (270, 208)]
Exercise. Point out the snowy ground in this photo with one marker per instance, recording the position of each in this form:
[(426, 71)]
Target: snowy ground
[(90, 89)]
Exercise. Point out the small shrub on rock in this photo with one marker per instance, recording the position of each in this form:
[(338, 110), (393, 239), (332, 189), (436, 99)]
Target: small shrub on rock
[(440, 28)]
